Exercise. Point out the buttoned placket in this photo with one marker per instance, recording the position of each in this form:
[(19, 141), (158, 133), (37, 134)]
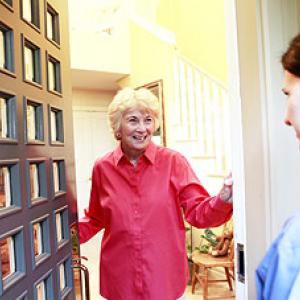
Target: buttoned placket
[(137, 228)]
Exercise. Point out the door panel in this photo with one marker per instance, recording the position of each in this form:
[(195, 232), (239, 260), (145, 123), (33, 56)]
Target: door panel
[(37, 177)]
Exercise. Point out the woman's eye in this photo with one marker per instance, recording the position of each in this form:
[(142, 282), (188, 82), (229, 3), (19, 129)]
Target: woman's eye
[(149, 120), (132, 121)]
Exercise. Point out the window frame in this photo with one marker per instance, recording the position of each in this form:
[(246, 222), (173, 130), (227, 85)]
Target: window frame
[(35, 14), (15, 187), (68, 277), (8, 5), (55, 24), (10, 241), (39, 121), (62, 177), (37, 66), (42, 177), (59, 126), (10, 281), (43, 221), (64, 224), (9, 61), (11, 115), (47, 278), (57, 90), (23, 296)]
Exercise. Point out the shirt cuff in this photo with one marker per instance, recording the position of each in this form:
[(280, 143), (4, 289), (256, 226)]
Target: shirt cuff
[(221, 205)]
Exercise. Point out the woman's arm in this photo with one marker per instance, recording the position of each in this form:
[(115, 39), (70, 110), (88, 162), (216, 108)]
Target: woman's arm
[(92, 222), (200, 209)]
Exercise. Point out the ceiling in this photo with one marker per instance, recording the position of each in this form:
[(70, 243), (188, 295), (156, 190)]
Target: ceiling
[(87, 79)]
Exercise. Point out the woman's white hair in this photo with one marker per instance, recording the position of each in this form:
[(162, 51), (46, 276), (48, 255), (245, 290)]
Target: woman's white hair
[(127, 99)]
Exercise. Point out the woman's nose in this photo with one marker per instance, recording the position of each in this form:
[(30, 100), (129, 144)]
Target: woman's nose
[(142, 126), (287, 121)]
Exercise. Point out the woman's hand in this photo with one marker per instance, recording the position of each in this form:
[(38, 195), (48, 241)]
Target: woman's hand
[(226, 191)]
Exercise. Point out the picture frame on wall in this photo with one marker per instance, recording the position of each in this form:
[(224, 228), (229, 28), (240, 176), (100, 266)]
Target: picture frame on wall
[(156, 87)]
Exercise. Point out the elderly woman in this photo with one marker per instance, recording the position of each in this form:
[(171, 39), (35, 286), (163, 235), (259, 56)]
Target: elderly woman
[(138, 194)]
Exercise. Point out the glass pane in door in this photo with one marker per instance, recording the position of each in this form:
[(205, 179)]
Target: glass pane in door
[(5, 191), (41, 291), (2, 49), (37, 239), (34, 181), (7, 257), (29, 63), (27, 10), (3, 118)]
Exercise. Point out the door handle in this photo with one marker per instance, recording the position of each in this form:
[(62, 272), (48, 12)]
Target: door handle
[(77, 264)]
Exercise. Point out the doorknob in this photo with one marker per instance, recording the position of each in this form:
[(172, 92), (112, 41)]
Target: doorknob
[(77, 264)]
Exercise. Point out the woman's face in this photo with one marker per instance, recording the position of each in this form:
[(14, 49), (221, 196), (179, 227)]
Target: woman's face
[(136, 130), (292, 90)]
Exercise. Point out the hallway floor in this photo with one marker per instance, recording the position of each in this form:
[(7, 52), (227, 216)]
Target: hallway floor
[(215, 291), (219, 291)]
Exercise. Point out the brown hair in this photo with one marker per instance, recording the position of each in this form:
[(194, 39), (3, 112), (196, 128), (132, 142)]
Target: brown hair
[(291, 58)]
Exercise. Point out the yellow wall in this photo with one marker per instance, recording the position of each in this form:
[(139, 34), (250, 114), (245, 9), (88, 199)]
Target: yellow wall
[(199, 26), (151, 60), (91, 98)]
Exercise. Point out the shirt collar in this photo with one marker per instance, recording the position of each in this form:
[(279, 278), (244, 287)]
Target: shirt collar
[(149, 153)]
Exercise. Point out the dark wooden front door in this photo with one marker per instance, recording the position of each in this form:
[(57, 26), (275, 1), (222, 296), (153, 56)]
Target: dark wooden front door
[(37, 178)]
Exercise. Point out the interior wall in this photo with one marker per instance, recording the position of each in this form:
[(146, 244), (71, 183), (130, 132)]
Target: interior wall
[(280, 25), (99, 36), (152, 60), (199, 27), (91, 98)]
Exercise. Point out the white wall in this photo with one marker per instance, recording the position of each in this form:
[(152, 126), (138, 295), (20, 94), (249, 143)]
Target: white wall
[(99, 36), (280, 24)]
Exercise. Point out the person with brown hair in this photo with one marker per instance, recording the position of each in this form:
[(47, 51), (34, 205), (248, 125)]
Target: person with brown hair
[(278, 275)]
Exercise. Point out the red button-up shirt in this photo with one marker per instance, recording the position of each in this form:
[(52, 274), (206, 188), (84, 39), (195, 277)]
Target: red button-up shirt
[(143, 253)]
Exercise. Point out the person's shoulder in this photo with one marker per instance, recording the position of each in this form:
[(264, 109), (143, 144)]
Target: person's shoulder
[(171, 155), (293, 223), (165, 151), (291, 230), (108, 157)]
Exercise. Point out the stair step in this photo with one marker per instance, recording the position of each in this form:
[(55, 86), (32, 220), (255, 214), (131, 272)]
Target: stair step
[(217, 175), (204, 156)]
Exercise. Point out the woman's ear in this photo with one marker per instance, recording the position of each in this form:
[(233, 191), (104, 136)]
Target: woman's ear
[(118, 135)]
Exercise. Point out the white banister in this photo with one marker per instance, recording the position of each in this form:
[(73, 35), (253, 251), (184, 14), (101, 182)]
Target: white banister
[(202, 114)]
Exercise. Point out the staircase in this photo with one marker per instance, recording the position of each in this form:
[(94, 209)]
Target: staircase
[(201, 119)]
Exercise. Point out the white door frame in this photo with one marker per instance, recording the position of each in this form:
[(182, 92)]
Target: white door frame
[(236, 136)]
